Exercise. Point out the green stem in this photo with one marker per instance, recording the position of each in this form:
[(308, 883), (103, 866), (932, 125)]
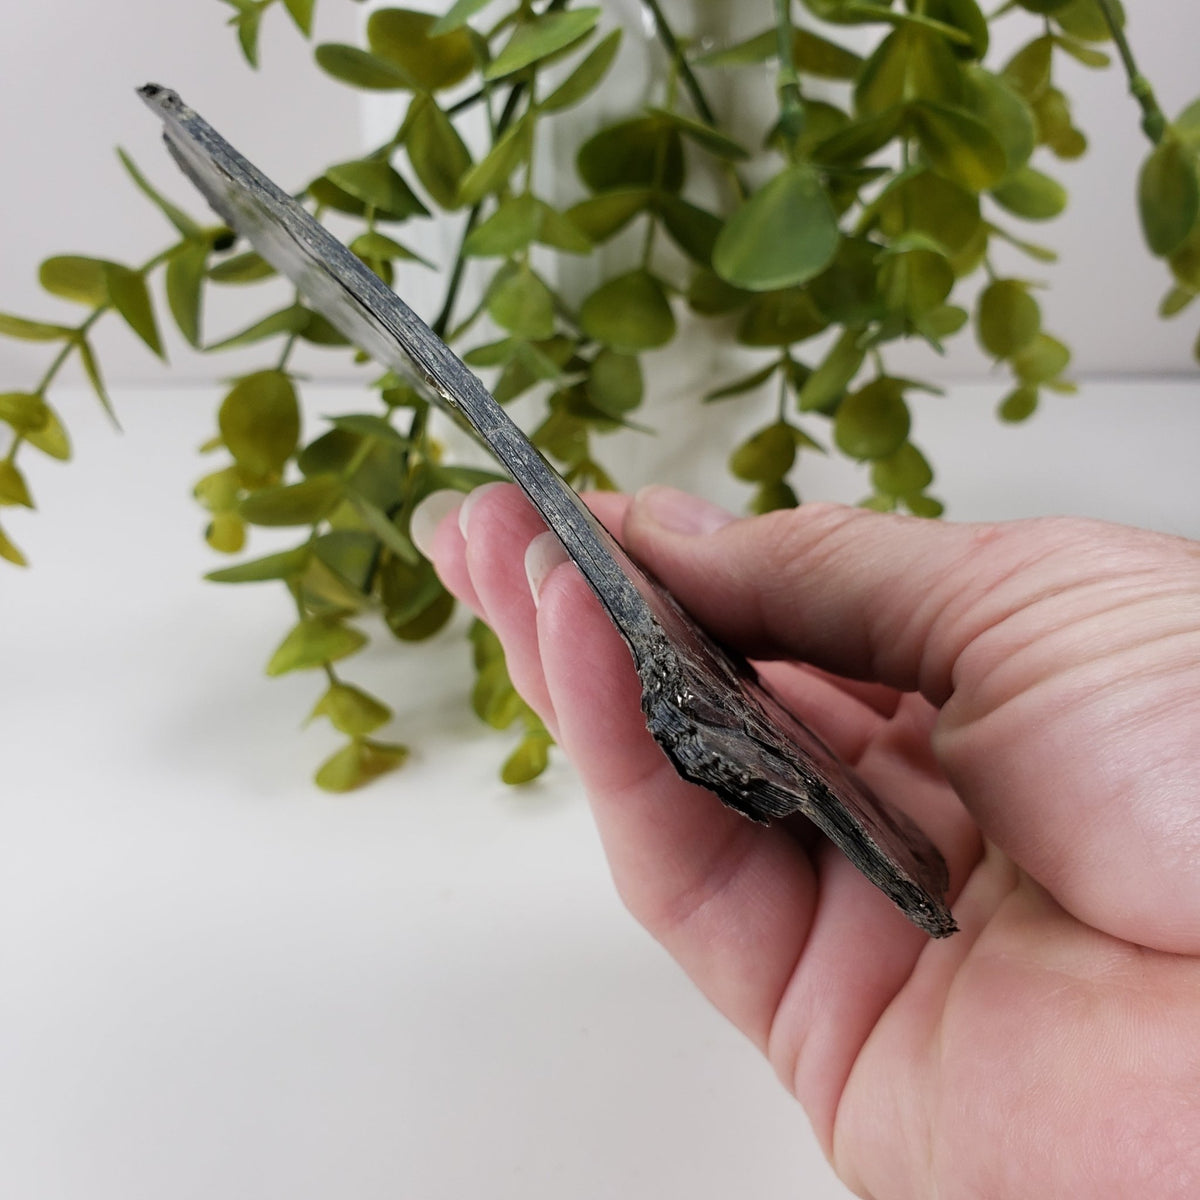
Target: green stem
[(1154, 122), (670, 42), (791, 102)]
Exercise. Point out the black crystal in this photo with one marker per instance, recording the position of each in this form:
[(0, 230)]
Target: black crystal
[(706, 707)]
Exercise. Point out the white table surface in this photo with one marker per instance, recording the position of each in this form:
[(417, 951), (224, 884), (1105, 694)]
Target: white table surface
[(219, 982)]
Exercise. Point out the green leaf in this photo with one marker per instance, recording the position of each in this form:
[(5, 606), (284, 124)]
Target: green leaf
[(433, 617), (966, 16), (76, 278), (314, 642), (915, 282), (320, 331), (438, 154), (538, 39), (1084, 19), (607, 213), (558, 231), (909, 65), (508, 231), (1173, 303), (1096, 59), (248, 23), (742, 385), (959, 145), (378, 185), (287, 321), (529, 759), (586, 76), (303, 503), (858, 140), (708, 295), (1020, 404), (404, 38), (24, 411), (771, 497), (241, 268), (492, 171), (1043, 360), (1004, 111), (826, 384), (780, 318), (718, 144), (288, 565), (384, 528), (924, 506), (520, 302), (185, 284), (1029, 69), (301, 12), (374, 246), (50, 437), (930, 204), (767, 456), (174, 214), (694, 230), (1030, 194), (13, 488), (615, 384), (91, 368), (629, 312), (10, 553), (259, 421), (873, 422), (351, 710), (459, 13), (785, 234), (131, 298), (1186, 126), (643, 152), (33, 331), (903, 472), (361, 69), (359, 763), (1169, 196), (368, 425), (1008, 318)]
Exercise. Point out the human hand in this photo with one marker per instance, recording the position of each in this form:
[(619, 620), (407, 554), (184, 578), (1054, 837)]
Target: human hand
[(1030, 694)]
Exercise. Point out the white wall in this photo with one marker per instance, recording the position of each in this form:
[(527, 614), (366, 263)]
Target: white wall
[(67, 69)]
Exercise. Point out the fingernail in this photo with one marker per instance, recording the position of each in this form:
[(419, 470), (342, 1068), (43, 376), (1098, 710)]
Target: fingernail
[(428, 515), (542, 555), (472, 498), (680, 512)]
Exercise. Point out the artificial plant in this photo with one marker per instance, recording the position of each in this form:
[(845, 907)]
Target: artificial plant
[(848, 224)]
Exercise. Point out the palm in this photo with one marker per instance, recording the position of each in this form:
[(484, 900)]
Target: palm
[(1045, 1050)]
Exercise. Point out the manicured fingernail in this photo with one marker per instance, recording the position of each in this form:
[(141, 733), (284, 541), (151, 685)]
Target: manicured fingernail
[(542, 555), (473, 497), (680, 512), (428, 515)]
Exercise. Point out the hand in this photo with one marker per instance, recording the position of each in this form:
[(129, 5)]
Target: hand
[(1030, 694)]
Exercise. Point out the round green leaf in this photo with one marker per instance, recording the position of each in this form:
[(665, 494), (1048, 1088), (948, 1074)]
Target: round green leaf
[(901, 473), (260, 422), (226, 533), (1004, 111), (1020, 404), (773, 496), (873, 422), (74, 277), (529, 759), (785, 234), (915, 282), (1031, 194), (767, 456), (402, 37), (1169, 196), (645, 152), (24, 411), (314, 642), (959, 145), (379, 185), (1043, 360), (607, 213), (630, 313), (303, 503), (520, 302), (615, 384), (1083, 19), (438, 154), (508, 231), (780, 319), (361, 69), (1008, 318), (538, 39), (351, 710), (358, 764), (930, 204)]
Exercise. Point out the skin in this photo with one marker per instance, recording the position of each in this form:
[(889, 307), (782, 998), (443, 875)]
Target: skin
[(1030, 693)]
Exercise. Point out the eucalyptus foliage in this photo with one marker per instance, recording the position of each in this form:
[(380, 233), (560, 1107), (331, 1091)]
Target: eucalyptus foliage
[(844, 227)]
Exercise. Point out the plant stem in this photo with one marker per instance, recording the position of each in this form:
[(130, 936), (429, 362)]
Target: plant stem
[(1154, 123), (791, 102), (670, 42)]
